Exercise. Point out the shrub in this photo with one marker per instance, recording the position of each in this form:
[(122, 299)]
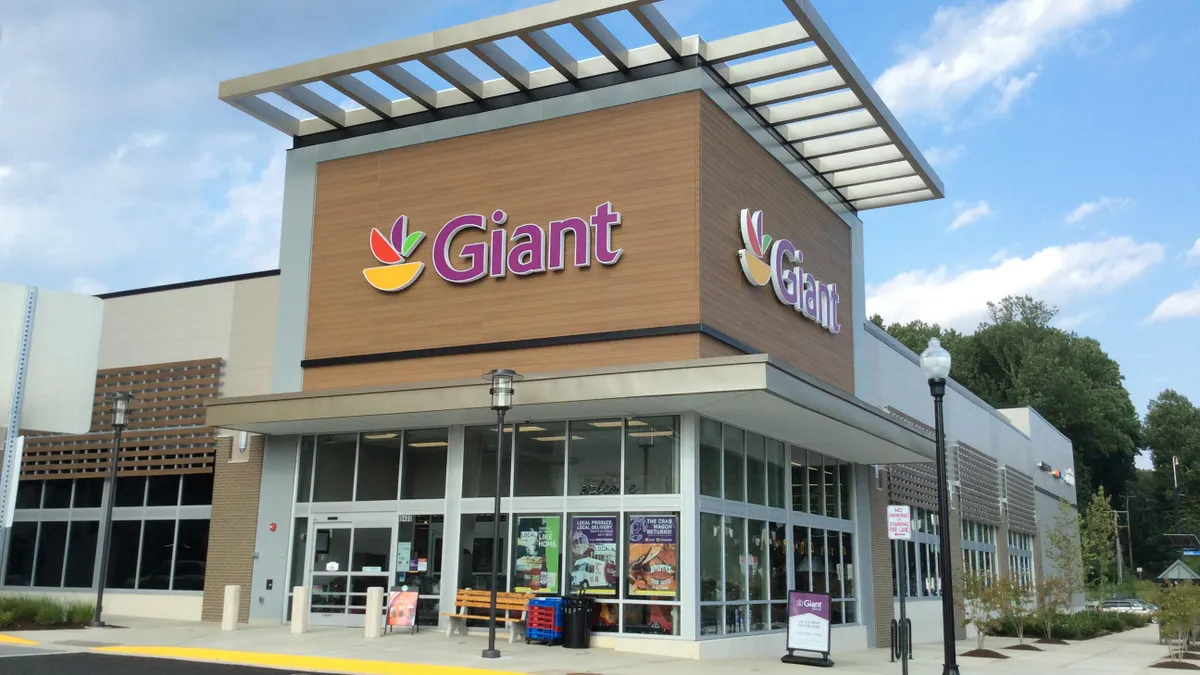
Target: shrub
[(1109, 621), (1134, 620), (27, 610)]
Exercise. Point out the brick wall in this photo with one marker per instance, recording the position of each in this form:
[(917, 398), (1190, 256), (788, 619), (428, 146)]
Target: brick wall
[(956, 568), (881, 559), (232, 533), (1002, 551)]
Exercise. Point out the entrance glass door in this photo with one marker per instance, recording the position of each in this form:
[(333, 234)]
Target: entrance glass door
[(346, 557)]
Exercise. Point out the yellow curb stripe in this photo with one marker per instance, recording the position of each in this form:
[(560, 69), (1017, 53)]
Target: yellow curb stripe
[(10, 640), (299, 662)]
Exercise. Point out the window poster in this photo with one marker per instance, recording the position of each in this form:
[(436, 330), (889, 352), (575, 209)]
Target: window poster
[(653, 568), (594, 555), (537, 554)]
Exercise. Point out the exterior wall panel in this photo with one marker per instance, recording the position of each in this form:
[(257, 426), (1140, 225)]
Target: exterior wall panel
[(233, 526), (737, 173), (642, 157)]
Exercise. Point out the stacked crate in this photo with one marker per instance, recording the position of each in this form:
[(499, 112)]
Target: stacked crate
[(543, 621)]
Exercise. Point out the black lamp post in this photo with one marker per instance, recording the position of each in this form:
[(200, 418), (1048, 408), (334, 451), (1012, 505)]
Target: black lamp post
[(935, 364), (502, 396), (120, 417)]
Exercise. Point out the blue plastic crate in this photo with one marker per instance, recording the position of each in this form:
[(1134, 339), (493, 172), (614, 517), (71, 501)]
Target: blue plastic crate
[(542, 635)]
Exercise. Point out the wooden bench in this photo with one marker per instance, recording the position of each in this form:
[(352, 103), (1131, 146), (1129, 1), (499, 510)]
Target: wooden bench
[(510, 609)]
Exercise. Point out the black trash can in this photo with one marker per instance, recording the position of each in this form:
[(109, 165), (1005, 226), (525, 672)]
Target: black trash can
[(577, 618)]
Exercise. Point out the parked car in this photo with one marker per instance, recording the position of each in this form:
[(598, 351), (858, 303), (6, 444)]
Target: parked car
[(1130, 606)]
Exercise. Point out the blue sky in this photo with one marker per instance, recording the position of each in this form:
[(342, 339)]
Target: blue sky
[(1060, 128)]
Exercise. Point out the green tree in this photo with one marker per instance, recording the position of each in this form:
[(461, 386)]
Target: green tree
[(1172, 429), (1014, 599), (1017, 358), (981, 600), (1097, 539)]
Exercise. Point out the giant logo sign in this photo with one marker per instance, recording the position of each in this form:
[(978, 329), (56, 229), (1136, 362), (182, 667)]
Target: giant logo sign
[(529, 249), (777, 262)]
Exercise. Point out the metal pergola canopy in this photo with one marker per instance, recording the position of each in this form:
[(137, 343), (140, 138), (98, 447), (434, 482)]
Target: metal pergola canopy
[(795, 76)]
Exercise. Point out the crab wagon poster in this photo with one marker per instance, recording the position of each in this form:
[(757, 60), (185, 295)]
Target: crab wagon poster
[(653, 569)]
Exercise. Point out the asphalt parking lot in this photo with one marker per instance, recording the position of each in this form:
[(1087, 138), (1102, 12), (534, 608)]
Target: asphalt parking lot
[(34, 661)]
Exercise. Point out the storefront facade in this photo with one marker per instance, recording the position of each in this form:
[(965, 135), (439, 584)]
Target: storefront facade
[(673, 263)]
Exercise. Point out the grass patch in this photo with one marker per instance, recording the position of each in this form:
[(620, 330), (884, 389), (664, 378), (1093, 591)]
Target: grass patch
[(25, 612)]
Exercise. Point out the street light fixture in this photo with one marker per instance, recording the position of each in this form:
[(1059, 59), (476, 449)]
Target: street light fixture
[(502, 397), (120, 418), (935, 364)]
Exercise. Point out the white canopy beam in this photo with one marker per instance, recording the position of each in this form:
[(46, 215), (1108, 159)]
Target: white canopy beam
[(363, 94), (893, 200), (857, 159), (755, 42), (883, 188), (266, 113), (552, 53), (494, 56), (840, 179), (602, 39), (660, 29), (771, 67), (314, 103), (821, 82), (830, 125), (808, 108), (456, 74), (854, 140), (412, 86)]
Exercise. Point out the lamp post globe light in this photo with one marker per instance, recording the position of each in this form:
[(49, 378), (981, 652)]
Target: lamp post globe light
[(502, 397), (935, 364), (120, 418)]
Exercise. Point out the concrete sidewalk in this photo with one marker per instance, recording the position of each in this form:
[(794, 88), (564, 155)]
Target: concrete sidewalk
[(432, 653)]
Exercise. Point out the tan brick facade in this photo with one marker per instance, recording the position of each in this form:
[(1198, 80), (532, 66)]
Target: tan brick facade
[(881, 558), (956, 568), (233, 529)]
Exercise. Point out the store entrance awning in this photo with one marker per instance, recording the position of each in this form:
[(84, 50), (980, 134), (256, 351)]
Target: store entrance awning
[(753, 392)]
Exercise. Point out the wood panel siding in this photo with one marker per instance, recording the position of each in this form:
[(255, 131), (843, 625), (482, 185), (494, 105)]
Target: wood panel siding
[(642, 157), (166, 432), (539, 359), (737, 173)]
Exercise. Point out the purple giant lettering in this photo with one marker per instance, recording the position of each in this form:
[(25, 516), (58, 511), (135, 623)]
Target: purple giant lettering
[(603, 220), (475, 254)]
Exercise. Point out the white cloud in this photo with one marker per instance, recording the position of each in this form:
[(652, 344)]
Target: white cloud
[(5, 171), (1178, 305), (968, 214), (944, 156), (1057, 274), (1193, 253), (1012, 88), (971, 47), (1110, 204)]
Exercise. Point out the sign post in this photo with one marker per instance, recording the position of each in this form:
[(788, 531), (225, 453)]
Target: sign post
[(899, 525), (808, 629)]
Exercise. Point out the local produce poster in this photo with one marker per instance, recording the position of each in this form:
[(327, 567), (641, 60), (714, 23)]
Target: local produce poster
[(653, 569), (538, 554), (594, 555)]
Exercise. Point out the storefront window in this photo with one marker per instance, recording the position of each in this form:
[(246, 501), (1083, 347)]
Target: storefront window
[(479, 463), (22, 541), (537, 561), (131, 491), (799, 470), (594, 562), (652, 455), (419, 562), (652, 619), (52, 549), (710, 557), (540, 457), (846, 489), (378, 466), (735, 463), (81, 554), (756, 469), (162, 491), (333, 474), (801, 548), (735, 569), (122, 562), (757, 537), (475, 563), (710, 458), (424, 472), (29, 494), (89, 492), (595, 458), (776, 474), (304, 473)]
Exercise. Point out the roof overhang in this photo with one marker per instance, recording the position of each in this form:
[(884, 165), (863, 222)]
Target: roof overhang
[(753, 392), (795, 77)]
